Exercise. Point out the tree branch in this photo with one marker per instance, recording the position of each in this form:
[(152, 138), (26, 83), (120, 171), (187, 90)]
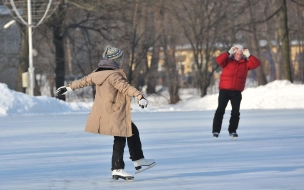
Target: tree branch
[(296, 2), (268, 18)]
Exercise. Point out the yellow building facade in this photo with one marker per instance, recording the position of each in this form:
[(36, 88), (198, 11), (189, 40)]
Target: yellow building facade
[(184, 59)]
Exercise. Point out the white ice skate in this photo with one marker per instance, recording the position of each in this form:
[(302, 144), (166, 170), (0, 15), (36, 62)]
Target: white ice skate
[(233, 136), (215, 135), (143, 164), (120, 173)]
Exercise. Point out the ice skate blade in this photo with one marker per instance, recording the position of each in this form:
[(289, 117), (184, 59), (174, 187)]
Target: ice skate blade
[(127, 178), (233, 138), (148, 167)]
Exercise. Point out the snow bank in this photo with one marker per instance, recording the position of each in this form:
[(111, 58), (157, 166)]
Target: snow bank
[(12, 102), (274, 95)]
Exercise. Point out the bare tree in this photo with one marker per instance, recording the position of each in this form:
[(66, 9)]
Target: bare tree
[(136, 35), (24, 52), (153, 74), (284, 34), (87, 17), (296, 33), (158, 24), (56, 24), (156, 28), (44, 60), (254, 38), (23, 57), (204, 24), (169, 43)]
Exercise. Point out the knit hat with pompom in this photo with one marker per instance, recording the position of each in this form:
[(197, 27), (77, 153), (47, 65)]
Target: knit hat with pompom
[(114, 54)]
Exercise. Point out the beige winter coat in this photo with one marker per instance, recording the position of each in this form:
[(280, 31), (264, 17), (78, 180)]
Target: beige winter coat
[(111, 111)]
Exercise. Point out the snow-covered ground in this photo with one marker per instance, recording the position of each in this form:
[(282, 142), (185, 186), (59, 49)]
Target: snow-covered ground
[(275, 95), (43, 145)]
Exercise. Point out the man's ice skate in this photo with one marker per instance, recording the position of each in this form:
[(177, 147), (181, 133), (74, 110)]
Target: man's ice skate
[(143, 164), (120, 173), (215, 135), (233, 136)]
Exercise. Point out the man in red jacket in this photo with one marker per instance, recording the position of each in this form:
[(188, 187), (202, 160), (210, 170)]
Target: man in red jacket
[(235, 63)]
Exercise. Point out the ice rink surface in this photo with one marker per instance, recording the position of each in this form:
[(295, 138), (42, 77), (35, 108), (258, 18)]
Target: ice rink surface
[(52, 152)]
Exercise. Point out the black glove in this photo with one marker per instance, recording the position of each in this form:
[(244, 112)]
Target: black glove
[(63, 90), (143, 102)]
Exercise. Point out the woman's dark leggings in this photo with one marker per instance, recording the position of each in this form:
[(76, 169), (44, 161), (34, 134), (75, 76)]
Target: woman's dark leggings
[(235, 98), (134, 145)]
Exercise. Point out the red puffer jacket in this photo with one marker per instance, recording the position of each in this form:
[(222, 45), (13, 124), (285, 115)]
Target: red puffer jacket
[(234, 72)]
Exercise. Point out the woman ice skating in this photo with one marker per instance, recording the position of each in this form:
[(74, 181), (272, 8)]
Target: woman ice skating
[(111, 111), (235, 63)]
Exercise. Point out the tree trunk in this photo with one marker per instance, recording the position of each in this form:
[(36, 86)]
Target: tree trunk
[(23, 58), (152, 76), (203, 87), (60, 63), (278, 58), (172, 74), (58, 40), (256, 51), (254, 41), (285, 41)]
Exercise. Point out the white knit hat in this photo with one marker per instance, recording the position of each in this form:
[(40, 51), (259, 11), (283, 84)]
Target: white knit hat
[(238, 46)]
